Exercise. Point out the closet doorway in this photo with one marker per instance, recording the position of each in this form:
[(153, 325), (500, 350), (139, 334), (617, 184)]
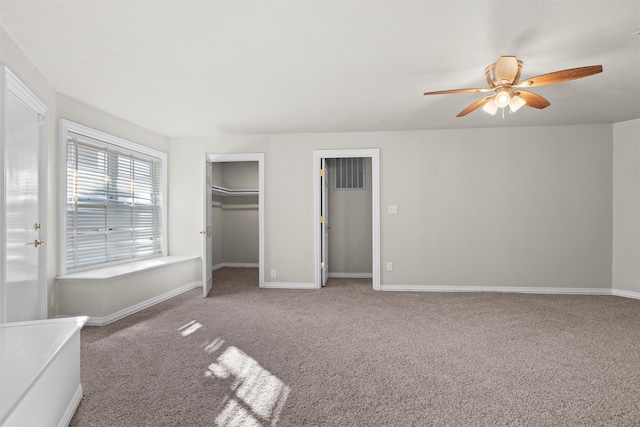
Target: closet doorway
[(349, 242), (346, 196), (235, 213)]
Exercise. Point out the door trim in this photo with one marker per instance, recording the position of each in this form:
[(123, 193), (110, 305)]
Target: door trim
[(250, 157), (374, 154)]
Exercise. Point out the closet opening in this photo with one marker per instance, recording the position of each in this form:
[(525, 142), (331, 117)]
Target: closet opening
[(348, 220), (235, 216)]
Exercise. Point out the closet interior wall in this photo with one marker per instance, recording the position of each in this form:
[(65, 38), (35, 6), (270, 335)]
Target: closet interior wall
[(235, 214), (350, 221)]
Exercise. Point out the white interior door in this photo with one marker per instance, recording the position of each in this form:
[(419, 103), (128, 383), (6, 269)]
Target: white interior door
[(25, 291), (207, 249), (324, 223)]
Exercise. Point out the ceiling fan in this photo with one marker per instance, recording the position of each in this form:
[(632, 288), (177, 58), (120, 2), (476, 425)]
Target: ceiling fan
[(504, 81)]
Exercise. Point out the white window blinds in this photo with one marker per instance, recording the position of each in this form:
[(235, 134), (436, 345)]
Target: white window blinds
[(113, 203)]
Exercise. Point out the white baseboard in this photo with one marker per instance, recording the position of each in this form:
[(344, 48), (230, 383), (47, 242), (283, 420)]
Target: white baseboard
[(71, 408), (287, 285), (511, 289), (241, 264), (236, 265), (626, 294), (102, 321), (336, 275)]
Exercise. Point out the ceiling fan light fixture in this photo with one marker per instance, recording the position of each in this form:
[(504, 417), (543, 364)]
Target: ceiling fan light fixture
[(503, 78), (490, 107), (516, 102), (502, 98)]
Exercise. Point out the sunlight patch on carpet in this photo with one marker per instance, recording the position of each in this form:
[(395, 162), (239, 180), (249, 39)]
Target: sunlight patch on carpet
[(234, 415), (257, 396), (189, 328), (214, 345)]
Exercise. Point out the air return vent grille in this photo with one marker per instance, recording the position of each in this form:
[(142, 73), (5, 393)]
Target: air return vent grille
[(349, 173)]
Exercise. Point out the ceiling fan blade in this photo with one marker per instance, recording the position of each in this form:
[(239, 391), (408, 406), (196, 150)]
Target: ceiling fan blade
[(506, 69), (474, 106), (533, 99), (445, 92), (561, 76)]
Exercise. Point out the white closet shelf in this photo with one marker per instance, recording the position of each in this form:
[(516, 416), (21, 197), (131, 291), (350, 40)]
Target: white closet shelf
[(222, 191)]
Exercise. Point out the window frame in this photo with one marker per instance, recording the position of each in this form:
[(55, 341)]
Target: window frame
[(67, 127)]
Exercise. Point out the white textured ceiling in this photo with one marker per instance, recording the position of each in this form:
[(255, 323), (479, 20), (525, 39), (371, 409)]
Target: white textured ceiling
[(193, 68)]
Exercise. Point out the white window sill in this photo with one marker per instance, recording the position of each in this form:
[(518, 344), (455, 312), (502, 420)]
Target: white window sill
[(122, 270)]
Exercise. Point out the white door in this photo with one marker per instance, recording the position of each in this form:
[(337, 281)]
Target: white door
[(207, 247), (24, 281), (324, 223)]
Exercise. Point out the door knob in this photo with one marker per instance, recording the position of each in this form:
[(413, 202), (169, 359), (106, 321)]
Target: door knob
[(38, 243)]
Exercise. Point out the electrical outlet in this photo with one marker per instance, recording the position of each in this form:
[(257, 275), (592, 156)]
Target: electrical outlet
[(273, 274), (393, 209), (53, 300), (389, 266)]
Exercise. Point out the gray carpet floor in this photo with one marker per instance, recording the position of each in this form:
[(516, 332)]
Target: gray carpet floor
[(349, 356)]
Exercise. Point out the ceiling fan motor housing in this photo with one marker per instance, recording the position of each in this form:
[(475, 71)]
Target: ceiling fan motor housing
[(506, 71)]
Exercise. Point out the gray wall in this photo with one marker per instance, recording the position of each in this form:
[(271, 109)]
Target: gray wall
[(241, 237), (350, 239), (494, 207), (217, 223), (626, 206), (240, 175), (217, 174)]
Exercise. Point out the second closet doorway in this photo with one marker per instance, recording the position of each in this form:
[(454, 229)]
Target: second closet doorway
[(355, 220), (349, 218)]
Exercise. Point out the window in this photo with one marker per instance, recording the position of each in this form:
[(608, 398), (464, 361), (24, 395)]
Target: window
[(113, 199), (349, 173)]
